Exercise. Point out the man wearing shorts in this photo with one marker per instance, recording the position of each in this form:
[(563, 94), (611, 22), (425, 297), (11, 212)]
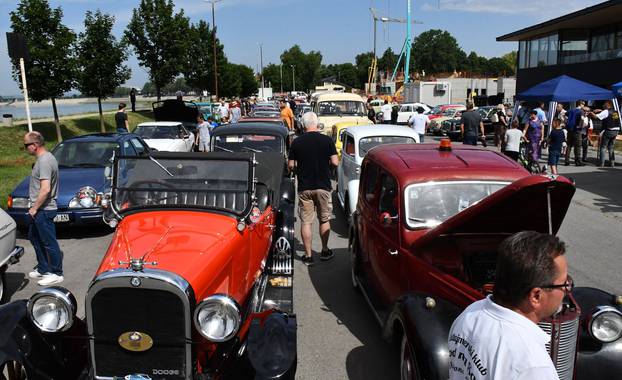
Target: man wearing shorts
[(312, 155)]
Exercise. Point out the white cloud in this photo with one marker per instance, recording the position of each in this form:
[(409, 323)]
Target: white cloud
[(552, 8)]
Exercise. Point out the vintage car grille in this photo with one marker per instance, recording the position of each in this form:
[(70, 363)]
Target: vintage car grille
[(155, 308), (563, 345)]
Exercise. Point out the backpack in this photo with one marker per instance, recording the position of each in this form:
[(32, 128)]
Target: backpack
[(494, 117)]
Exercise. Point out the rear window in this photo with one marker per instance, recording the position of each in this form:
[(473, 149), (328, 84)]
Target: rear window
[(365, 144)]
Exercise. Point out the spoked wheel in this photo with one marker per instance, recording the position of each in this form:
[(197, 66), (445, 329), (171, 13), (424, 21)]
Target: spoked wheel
[(13, 371), (408, 362)]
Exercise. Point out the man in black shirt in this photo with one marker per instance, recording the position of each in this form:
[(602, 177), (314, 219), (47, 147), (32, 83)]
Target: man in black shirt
[(120, 119), (311, 155), (470, 123)]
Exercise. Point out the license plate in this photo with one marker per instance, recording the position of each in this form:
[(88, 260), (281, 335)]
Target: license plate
[(61, 218)]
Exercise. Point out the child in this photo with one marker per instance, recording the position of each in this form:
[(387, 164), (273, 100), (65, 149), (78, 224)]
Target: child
[(557, 144), (512, 139)]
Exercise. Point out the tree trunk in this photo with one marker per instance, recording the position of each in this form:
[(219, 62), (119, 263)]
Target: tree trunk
[(101, 115), (158, 92), (59, 136)]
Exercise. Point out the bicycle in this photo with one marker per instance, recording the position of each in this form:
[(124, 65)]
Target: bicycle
[(525, 159)]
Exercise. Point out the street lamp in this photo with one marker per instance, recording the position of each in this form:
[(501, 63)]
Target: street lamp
[(293, 77), (213, 2)]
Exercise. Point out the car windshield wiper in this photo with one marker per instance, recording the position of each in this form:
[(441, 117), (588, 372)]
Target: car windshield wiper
[(248, 148), (221, 148), (160, 165)]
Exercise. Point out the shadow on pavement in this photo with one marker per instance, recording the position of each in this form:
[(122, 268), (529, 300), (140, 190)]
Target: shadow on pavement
[(15, 282), (606, 183), (376, 358), (74, 232)]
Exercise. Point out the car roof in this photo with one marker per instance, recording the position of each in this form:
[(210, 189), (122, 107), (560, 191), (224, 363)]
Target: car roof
[(160, 123), (255, 128), (101, 137), (338, 96), (412, 163), (362, 131)]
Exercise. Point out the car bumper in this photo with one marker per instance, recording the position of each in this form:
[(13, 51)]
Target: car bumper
[(74, 217), (13, 257)]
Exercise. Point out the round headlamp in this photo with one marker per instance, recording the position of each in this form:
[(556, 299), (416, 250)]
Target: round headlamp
[(86, 198), (217, 318), (52, 309), (605, 325)]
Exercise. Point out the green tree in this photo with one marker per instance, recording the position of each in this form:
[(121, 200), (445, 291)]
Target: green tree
[(51, 69), (248, 84), (511, 59), (499, 67), (363, 62), (306, 68), (160, 40), (436, 51), (100, 60), (272, 75), (148, 89), (345, 73), (388, 60)]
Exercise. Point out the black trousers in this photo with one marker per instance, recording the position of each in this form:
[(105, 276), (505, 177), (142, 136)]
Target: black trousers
[(573, 140), (584, 144)]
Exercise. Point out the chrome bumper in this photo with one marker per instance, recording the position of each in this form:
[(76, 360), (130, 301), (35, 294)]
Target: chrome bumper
[(13, 257)]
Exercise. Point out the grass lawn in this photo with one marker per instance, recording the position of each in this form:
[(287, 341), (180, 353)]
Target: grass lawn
[(15, 163)]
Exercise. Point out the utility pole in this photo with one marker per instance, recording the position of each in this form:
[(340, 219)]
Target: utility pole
[(213, 2), (293, 77), (281, 68), (261, 65)]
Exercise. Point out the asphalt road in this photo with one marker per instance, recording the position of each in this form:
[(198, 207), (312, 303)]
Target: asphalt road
[(338, 337)]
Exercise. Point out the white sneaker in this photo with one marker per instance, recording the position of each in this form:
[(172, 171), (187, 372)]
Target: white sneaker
[(50, 279), (35, 274)]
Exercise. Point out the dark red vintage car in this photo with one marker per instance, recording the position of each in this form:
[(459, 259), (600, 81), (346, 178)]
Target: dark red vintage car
[(197, 282), (424, 240)]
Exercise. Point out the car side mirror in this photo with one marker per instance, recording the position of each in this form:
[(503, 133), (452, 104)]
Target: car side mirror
[(386, 219)]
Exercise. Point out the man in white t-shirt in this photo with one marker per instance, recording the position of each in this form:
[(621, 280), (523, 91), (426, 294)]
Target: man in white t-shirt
[(386, 112), (498, 337), (419, 122)]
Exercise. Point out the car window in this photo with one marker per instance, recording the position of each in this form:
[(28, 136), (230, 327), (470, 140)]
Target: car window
[(349, 145), (342, 107), (248, 143), (140, 148), (366, 143), (157, 131), (74, 154), (388, 195), (430, 204), (370, 175), (128, 150)]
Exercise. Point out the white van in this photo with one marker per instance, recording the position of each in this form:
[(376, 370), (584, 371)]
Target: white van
[(335, 107)]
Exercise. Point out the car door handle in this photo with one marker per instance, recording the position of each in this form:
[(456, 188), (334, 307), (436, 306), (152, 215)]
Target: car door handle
[(392, 252)]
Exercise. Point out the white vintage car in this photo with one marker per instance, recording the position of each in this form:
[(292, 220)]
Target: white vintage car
[(166, 136), (356, 143), (9, 253), (409, 109)]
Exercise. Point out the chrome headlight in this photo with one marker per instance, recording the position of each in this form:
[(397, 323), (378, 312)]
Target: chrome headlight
[(86, 197), (217, 318), (52, 309), (20, 203), (605, 324)]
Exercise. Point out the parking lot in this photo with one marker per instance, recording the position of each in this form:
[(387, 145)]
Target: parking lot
[(337, 336)]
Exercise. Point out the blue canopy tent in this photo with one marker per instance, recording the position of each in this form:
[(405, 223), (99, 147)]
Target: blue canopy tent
[(617, 88), (565, 89)]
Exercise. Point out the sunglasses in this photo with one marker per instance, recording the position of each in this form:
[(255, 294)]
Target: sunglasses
[(28, 144), (566, 286)]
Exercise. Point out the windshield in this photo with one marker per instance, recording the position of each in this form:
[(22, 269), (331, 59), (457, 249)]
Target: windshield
[(84, 153), (181, 183), (158, 131), (342, 107), (430, 204), (365, 144), (484, 112), (450, 112), (248, 143)]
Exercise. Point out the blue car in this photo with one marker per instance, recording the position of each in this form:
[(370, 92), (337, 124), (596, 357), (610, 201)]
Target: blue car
[(81, 184)]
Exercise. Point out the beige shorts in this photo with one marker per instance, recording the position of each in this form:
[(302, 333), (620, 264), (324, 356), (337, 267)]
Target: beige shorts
[(312, 202)]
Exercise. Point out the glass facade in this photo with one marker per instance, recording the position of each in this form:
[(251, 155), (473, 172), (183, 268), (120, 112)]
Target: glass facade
[(571, 46)]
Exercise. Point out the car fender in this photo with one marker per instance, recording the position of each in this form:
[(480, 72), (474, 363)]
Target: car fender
[(353, 194), (288, 190), (43, 356), (595, 360), (426, 321)]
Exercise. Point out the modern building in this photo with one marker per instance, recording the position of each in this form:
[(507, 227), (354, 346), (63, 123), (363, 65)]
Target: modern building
[(586, 45)]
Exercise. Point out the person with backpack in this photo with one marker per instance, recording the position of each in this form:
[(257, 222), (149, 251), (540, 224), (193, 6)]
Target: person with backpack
[(574, 130)]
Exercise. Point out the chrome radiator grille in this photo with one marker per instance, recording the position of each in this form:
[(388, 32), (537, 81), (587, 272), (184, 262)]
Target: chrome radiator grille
[(563, 345)]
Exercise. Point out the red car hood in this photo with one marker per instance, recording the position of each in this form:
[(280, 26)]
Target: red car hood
[(195, 245), (520, 206)]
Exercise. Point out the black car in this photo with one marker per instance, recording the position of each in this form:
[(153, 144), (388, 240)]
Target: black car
[(451, 127)]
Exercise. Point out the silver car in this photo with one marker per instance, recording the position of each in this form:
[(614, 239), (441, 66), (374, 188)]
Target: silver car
[(9, 253)]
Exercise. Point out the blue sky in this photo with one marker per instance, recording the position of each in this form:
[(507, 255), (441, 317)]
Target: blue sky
[(339, 29)]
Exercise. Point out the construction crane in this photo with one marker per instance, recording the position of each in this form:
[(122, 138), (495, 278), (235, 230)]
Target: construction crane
[(373, 69)]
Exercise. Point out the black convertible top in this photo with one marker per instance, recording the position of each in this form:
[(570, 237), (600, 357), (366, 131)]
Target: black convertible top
[(251, 128)]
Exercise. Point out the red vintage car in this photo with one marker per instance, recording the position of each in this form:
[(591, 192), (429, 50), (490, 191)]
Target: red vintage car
[(423, 243), (196, 283)]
